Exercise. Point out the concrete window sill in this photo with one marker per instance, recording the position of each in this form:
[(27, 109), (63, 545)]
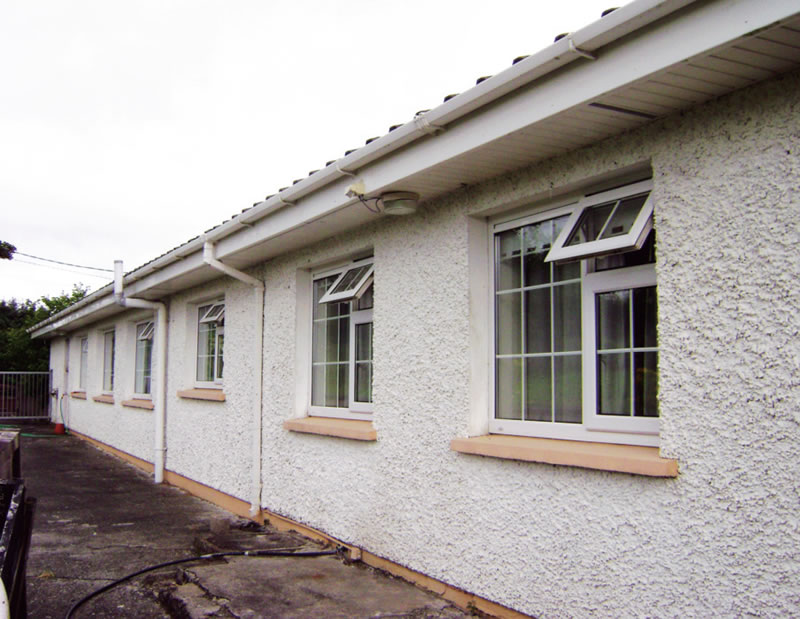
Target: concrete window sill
[(104, 399), (327, 426), (139, 403), (600, 456), (210, 395), (78, 395)]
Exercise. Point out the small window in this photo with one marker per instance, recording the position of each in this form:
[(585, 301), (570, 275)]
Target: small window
[(613, 221), (144, 358), (210, 341), (108, 361), (341, 357), (84, 369)]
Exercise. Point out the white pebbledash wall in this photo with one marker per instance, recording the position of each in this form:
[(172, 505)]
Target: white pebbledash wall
[(127, 429), (721, 539)]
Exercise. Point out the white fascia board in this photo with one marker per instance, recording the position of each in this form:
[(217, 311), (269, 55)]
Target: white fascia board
[(54, 327)]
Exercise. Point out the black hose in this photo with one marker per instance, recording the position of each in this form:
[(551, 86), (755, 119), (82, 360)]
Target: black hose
[(215, 555)]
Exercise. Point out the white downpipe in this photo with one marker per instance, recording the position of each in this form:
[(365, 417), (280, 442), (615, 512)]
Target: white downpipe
[(210, 258), (159, 411)]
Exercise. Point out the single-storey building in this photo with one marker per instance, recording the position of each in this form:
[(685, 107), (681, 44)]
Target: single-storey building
[(564, 380)]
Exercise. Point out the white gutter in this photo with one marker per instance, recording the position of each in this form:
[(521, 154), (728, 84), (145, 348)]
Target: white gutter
[(210, 258), (159, 411)]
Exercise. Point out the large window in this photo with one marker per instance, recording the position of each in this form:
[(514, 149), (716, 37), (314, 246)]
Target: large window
[(108, 361), (575, 349), (84, 369), (144, 358), (341, 357), (210, 340)]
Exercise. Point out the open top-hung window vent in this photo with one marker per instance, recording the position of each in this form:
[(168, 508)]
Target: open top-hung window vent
[(215, 313), (351, 284), (611, 222), (145, 331)]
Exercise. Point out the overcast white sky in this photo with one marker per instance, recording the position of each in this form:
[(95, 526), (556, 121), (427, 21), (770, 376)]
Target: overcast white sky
[(127, 128)]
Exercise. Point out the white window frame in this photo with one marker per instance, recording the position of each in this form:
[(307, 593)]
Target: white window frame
[(83, 372), (633, 239), (108, 364), (214, 314), (594, 427), (355, 410), (146, 335), (594, 284)]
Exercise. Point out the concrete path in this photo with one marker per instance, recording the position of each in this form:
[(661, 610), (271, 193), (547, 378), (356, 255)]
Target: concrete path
[(99, 519)]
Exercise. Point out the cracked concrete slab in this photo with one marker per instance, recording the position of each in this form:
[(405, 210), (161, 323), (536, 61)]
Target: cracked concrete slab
[(99, 519)]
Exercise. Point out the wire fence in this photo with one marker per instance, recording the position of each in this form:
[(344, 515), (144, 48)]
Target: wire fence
[(25, 395)]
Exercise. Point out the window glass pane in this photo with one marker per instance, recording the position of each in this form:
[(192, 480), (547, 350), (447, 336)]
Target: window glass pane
[(363, 366), (537, 240), (645, 317), (318, 349), (567, 317), (344, 377), (624, 216), (613, 320), (332, 385), (614, 383), (366, 300), (537, 320), (318, 385), (565, 271), (538, 402), (363, 382), (220, 354), (144, 353), (568, 388), (508, 259), (84, 362), (205, 369), (646, 384), (645, 255), (508, 391), (590, 223), (206, 350), (108, 361), (509, 323)]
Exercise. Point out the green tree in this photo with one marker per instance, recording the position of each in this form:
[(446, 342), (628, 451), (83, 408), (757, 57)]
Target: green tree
[(18, 352), (6, 250)]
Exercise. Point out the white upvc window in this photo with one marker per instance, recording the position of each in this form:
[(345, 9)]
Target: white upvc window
[(109, 340), (210, 341), (144, 358), (84, 368), (575, 350), (341, 350)]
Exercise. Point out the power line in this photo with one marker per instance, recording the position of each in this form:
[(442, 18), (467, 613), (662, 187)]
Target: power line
[(47, 266), (80, 266)]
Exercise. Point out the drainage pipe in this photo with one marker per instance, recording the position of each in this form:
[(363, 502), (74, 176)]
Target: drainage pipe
[(210, 258), (159, 409)]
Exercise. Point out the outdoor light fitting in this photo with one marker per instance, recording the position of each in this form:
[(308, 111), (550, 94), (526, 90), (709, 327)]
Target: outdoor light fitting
[(400, 202), (390, 203)]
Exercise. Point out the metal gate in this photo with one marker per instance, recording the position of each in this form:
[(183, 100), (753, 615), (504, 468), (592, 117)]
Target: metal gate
[(24, 395)]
